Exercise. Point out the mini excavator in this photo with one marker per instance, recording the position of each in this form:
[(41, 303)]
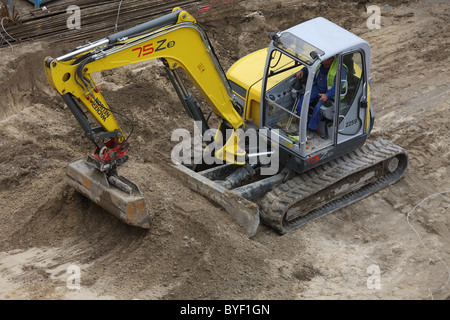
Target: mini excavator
[(287, 175)]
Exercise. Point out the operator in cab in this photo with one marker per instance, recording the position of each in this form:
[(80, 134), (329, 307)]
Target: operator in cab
[(324, 87)]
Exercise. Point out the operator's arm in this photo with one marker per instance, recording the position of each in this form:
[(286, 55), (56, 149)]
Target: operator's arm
[(302, 73)]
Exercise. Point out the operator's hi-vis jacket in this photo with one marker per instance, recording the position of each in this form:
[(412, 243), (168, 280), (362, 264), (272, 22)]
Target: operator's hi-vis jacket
[(325, 80), (324, 83)]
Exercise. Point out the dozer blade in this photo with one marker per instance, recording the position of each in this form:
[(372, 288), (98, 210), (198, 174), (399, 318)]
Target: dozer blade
[(115, 194), (245, 212)]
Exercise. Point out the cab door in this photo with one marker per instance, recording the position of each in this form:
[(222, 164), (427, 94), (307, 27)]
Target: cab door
[(352, 100)]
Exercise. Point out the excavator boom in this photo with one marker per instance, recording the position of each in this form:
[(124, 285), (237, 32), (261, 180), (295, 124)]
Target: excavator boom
[(176, 40)]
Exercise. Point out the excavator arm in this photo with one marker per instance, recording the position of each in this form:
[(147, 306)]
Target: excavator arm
[(179, 42), (175, 39)]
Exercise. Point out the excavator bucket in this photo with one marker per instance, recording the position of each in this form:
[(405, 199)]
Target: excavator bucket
[(115, 194)]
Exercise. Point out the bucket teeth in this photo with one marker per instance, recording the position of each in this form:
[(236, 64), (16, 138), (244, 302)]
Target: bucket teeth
[(115, 194)]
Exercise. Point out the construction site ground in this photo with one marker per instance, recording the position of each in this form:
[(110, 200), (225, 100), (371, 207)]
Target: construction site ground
[(194, 249)]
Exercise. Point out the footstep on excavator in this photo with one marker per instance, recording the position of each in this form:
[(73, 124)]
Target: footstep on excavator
[(262, 163)]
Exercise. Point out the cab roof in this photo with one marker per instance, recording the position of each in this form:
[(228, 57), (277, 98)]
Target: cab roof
[(327, 36)]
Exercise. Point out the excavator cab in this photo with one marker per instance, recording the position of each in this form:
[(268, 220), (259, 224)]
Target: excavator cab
[(343, 122)]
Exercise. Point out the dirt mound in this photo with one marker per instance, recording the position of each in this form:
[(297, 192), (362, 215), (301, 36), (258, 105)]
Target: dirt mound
[(194, 250)]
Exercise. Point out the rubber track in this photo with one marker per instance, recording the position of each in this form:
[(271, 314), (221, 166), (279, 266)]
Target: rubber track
[(277, 202)]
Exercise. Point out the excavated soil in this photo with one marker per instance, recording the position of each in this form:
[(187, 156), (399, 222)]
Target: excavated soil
[(194, 249)]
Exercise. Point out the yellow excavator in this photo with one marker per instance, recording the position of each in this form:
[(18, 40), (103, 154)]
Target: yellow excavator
[(282, 154)]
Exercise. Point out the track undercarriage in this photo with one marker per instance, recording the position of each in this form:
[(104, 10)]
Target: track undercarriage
[(333, 185), (285, 202)]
